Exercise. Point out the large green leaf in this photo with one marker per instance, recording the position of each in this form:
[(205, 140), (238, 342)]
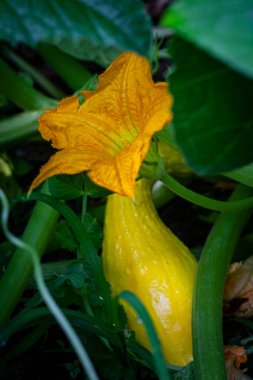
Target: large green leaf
[(87, 29), (221, 27), (213, 114)]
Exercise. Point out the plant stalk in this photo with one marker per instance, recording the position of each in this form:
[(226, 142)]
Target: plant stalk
[(37, 234), (203, 201), (18, 127), (56, 311), (208, 295), (21, 93)]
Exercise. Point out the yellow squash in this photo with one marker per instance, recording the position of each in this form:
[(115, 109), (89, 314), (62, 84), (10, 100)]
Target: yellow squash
[(142, 255)]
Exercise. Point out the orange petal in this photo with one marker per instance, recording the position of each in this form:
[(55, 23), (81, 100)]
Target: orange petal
[(114, 175), (128, 95), (73, 130), (48, 129), (109, 134), (67, 161), (103, 171)]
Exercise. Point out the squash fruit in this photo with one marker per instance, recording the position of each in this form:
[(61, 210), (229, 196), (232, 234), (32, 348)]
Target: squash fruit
[(142, 255)]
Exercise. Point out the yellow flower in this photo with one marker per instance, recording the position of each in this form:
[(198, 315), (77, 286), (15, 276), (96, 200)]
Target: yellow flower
[(109, 134)]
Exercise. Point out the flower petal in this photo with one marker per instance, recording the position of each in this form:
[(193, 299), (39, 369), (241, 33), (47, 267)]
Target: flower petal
[(127, 93), (48, 129), (67, 161), (102, 170), (114, 175), (109, 134), (73, 130)]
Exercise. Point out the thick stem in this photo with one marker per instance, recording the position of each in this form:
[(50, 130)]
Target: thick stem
[(18, 127), (208, 295), (64, 323), (18, 91), (203, 201), (37, 234)]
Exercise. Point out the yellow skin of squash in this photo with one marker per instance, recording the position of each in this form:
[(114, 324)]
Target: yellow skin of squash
[(142, 255)]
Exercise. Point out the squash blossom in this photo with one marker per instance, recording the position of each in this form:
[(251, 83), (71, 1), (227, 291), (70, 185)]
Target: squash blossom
[(142, 255), (109, 134)]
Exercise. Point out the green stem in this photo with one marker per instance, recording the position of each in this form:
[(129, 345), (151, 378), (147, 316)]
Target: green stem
[(34, 73), (161, 194), (203, 201), (17, 90), (208, 296), (45, 294), (73, 73), (18, 127), (38, 232), (154, 341)]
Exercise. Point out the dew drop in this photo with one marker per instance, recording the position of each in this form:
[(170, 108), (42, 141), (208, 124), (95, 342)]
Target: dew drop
[(139, 321)]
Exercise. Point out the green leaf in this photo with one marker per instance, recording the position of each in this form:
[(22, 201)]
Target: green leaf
[(73, 369), (68, 285), (243, 175), (74, 275), (87, 29), (213, 117), (87, 249), (66, 186), (41, 315), (221, 27), (106, 359), (93, 230), (65, 236)]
